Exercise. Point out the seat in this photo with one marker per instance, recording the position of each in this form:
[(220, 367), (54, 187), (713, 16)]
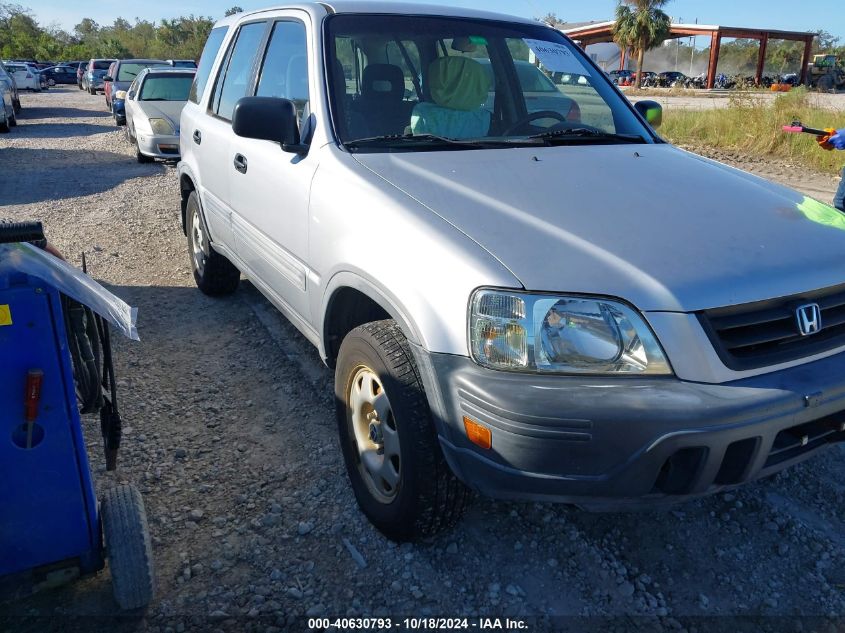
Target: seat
[(458, 86), (382, 107)]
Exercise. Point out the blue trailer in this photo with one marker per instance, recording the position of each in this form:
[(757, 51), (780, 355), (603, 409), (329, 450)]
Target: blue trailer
[(53, 528)]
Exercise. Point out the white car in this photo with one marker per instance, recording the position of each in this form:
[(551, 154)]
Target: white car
[(26, 77), (497, 313), (7, 112), (153, 104)]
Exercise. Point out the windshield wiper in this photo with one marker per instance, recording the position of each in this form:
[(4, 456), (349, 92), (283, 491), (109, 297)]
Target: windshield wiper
[(425, 140), (585, 132)]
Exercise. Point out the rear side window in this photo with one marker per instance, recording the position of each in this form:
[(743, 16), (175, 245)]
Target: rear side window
[(209, 53), (235, 74)]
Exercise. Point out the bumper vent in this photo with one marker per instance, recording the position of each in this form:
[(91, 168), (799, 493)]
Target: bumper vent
[(760, 334)]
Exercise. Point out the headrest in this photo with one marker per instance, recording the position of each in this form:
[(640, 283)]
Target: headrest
[(383, 81), (459, 83)]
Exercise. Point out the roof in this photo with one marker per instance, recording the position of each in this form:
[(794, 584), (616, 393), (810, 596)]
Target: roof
[(320, 9), (168, 69), (598, 31)]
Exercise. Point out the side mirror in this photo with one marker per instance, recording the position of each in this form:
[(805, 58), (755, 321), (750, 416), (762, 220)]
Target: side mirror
[(108, 78), (130, 94), (269, 119), (651, 111)]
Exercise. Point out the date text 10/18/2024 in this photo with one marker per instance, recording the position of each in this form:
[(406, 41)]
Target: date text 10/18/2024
[(414, 624)]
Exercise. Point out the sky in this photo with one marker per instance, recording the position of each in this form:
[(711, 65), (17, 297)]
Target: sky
[(809, 15)]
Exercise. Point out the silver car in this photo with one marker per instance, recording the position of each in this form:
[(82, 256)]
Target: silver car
[(153, 105), (499, 314)]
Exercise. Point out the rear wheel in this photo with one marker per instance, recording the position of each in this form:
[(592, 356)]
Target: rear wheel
[(390, 446), (13, 120), (213, 273)]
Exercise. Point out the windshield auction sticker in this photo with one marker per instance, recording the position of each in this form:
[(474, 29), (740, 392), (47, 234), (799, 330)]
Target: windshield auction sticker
[(557, 58)]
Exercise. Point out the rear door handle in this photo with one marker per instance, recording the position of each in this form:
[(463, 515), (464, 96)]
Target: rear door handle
[(197, 137), (240, 163)]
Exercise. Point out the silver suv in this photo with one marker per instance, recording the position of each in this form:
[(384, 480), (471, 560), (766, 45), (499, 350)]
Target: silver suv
[(500, 314)]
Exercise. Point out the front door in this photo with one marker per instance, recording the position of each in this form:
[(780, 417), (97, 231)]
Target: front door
[(269, 188)]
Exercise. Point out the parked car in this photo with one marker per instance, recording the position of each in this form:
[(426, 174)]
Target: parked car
[(153, 105), (8, 80), (618, 76), (121, 74), (80, 73), (8, 118), (182, 63), (93, 77), (26, 77), (59, 75), (498, 317), (672, 77)]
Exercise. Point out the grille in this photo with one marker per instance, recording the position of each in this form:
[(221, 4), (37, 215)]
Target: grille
[(766, 333)]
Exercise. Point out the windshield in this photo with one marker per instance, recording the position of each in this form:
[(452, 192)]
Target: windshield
[(129, 70), (456, 79), (171, 87)]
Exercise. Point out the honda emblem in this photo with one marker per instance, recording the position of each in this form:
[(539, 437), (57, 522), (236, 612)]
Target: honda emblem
[(809, 319)]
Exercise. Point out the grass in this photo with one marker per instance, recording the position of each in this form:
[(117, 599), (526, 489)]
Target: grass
[(752, 126)]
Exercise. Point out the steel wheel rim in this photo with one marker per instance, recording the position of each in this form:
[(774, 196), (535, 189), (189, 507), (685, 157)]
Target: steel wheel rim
[(375, 434), (198, 247)]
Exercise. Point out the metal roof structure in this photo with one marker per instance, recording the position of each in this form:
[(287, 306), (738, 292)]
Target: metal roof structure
[(597, 32)]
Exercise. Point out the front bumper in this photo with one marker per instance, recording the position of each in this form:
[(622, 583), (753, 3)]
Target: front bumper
[(606, 443), (159, 146)]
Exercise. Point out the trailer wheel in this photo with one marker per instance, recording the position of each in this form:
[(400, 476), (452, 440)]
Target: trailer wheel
[(128, 546)]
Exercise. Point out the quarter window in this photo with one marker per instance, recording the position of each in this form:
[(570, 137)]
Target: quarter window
[(236, 72)]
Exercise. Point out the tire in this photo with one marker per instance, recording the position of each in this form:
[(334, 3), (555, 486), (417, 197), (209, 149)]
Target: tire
[(13, 120), (128, 546), (426, 496), (17, 106), (142, 158), (213, 273)]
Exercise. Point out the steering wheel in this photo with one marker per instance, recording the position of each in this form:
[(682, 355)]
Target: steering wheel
[(542, 114)]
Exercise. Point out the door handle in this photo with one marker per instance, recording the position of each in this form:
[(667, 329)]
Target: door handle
[(197, 137), (240, 163)]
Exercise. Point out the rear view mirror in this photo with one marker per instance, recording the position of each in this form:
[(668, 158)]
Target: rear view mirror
[(269, 119), (651, 112)]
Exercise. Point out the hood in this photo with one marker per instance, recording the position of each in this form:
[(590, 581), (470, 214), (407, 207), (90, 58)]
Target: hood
[(662, 228), (170, 110)]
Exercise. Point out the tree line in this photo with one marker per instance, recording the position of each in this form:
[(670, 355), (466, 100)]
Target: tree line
[(22, 37)]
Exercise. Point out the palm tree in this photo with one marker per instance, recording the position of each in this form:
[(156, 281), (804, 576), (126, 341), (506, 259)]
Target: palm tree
[(641, 25)]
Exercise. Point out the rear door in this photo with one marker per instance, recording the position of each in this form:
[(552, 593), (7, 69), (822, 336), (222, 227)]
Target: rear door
[(211, 133), (270, 194)]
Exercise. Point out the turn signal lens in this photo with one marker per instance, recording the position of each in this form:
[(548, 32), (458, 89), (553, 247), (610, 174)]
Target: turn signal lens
[(477, 434)]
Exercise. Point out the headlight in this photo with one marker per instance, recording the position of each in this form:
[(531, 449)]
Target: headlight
[(561, 335), (121, 94), (162, 126)]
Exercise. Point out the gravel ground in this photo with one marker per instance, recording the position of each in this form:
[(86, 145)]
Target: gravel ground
[(230, 436)]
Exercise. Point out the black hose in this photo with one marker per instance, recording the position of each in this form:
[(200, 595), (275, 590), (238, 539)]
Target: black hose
[(84, 344)]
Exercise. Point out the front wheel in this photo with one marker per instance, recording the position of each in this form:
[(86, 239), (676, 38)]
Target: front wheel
[(393, 457), (213, 273)]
